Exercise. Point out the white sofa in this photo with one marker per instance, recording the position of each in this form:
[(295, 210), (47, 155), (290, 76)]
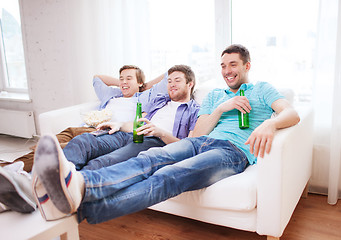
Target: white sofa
[(261, 199)]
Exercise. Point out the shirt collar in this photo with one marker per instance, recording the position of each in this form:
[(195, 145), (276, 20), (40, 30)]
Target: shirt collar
[(244, 86), (188, 103)]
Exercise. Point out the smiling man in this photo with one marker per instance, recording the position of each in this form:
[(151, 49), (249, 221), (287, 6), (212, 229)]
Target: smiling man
[(131, 88), (121, 101)]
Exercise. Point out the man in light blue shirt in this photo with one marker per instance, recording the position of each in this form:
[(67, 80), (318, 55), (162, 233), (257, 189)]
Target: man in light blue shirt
[(215, 151), (260, 97)]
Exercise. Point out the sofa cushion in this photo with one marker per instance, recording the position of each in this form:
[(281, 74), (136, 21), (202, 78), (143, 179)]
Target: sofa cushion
[(238, 192)]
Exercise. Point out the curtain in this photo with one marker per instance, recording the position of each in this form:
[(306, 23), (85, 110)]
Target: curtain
[(104, 35), (327, 98), (124, 34), (335, 140), (107, 34)]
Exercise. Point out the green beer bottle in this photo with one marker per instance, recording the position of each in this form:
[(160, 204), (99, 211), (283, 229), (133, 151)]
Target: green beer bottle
[(243, 117), (137, 124)]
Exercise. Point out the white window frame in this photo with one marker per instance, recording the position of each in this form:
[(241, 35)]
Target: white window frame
[(223, 26), (223, 31), (7, 92)]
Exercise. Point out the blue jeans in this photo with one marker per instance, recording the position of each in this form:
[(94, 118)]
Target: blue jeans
[(89, 152), (156, 175)]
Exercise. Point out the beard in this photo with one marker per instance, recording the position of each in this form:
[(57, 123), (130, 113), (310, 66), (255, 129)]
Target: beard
[(235, 86), (178, 96)]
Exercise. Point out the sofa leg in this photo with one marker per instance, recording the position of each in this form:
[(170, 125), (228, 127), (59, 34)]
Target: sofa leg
[(272, 238)]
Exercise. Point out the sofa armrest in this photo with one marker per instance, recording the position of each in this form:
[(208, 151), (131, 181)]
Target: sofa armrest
[(55, 121), (283, 175)]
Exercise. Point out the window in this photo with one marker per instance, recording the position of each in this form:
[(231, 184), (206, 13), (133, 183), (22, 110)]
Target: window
[(12, 63), (183, 32), (281, 37)]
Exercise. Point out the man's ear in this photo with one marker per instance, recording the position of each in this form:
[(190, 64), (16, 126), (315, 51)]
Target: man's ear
[(248, 66), (190, 84)]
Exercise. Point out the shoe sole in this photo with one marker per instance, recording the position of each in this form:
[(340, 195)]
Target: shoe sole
[(13, 197), (46, 207), (48, 170)]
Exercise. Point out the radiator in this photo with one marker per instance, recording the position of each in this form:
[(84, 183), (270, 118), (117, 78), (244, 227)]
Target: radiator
[(17, 123)]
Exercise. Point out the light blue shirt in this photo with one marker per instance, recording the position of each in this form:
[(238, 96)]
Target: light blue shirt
[(261, 96)]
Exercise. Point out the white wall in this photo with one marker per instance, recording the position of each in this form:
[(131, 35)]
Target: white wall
[(66, 42), (61, 55)]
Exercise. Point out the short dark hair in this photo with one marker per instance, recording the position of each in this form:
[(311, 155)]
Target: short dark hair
[(140, 77), (187, 71), (237, 48)]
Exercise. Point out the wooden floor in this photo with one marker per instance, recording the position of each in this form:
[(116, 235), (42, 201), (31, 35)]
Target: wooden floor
[(313, 219)]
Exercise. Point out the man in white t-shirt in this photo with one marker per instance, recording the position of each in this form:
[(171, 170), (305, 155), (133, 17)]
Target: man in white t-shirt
[(120, 101), (132, 88)]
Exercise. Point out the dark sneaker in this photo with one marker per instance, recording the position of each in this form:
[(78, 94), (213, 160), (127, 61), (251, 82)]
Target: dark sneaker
[(16, 192)]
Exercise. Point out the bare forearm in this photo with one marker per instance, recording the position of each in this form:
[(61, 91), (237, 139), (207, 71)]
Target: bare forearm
[(151, 83), (168, 138), (127, 127), (286, 118), (286, 114), (108, 80), (206, 123)]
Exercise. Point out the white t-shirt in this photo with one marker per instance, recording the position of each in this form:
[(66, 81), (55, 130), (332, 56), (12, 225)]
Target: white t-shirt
[(123, 109), (164, 117)]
